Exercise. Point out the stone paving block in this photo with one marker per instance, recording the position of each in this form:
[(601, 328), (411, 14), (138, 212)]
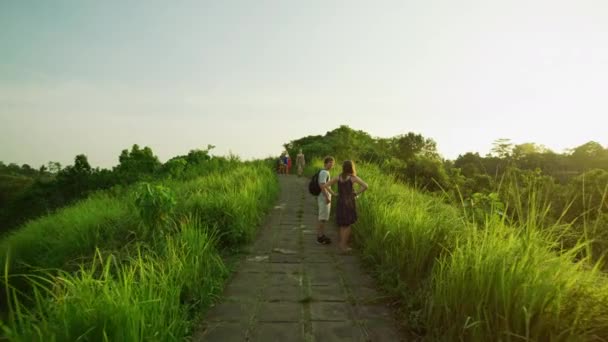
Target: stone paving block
[(338, 332), (366, 295), (327, 293), (309, 236), (282, 293), (285, 268), (243, 291), (323, 275), (349, 263), (284, 332), (289, 246), (317, 258), (285, 279), (216, 332), (285, 258), (330, 311), (358, 278), (252, 267), (286, 235), (246, 278), (231, 312), (260, 249), (279, 312), (373, 311)]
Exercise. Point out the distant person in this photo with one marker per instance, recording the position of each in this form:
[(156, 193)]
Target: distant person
[(285, 158), (288, 164), (324, 200), (280, 165), (346, 212), (300, 163)]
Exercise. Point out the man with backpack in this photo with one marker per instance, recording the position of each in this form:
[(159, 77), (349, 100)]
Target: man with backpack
[(323, 198)]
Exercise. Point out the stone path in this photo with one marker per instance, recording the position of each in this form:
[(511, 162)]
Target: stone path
[(289, 288)]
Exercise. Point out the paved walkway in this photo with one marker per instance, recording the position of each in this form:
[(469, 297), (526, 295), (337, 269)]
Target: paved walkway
[(288, 288)]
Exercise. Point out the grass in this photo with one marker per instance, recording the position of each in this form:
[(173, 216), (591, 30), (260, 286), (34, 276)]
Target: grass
[(104, 275), (457, 280)]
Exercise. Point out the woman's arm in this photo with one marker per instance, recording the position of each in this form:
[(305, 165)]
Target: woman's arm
[(327, 186), (362, 185)]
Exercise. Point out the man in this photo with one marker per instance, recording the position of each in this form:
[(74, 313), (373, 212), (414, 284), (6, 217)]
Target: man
[(324, 200), (285, 158), (300, 163)]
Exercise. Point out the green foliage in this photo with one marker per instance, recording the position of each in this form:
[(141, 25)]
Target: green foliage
[(427, 173), (147, 296), (69, 234), (11, 187), (32, 193), (175, 167), (98, 274), (155, 204), (589, 192), (481, 207), (413, 157), (487, 281), (137, 164), (502, 148)]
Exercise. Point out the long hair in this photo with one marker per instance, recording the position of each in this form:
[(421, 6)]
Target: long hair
[(348, 168)]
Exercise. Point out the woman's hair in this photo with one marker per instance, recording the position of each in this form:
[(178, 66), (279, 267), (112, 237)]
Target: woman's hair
[(348, 168)]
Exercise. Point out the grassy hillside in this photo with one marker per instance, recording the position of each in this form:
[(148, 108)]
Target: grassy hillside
[(461, 279), (136, 266)]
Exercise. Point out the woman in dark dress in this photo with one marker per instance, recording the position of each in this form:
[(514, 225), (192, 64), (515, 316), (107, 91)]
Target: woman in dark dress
[(346, 213)]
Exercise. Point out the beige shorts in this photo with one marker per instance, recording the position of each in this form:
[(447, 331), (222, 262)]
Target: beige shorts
[(323, 208)]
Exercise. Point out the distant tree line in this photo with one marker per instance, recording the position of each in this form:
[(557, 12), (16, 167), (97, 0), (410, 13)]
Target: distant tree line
[(26, 192), (572, 184)]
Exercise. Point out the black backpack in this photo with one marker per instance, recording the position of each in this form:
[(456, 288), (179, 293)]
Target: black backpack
[(313, 186)]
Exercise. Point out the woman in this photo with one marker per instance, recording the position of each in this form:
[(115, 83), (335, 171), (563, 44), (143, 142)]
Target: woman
[(300, 163), (346, 213)]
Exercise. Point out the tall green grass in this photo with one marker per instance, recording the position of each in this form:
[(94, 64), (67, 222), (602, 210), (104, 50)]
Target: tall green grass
[(145, 298), (71, 233), (457, 280), (108, 276)]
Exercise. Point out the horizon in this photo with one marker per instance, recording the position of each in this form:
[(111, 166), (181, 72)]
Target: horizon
[(96, 78), (212, 153)]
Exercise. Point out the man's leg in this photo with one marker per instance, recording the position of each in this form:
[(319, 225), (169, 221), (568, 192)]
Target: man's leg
[(323, 217), (321, 228)]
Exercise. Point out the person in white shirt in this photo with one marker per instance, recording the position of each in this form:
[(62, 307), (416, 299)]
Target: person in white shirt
[(324, 200)]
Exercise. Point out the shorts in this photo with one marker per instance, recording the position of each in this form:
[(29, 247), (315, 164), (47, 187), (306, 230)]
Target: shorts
[(324, 208)]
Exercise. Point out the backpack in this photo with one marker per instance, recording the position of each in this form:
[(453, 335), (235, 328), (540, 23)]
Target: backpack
[(313, 186)]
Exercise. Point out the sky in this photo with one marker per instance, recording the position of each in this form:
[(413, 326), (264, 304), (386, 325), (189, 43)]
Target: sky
[(96, 77)]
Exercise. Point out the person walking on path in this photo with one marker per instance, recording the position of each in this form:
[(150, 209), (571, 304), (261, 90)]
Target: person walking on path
[(346, 212), (285, 159), (300, 163), (324, 200), (288, 164)]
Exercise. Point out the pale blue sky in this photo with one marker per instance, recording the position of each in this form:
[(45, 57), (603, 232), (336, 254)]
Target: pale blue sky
[(95, 77)]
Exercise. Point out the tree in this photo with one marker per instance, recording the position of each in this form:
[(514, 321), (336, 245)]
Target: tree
[(588, 156), (527, 149), (470, 164), (74, 181), (503, 148), (407, 147), (427, 173), (137, 164), (81, 164), (54, 167)]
